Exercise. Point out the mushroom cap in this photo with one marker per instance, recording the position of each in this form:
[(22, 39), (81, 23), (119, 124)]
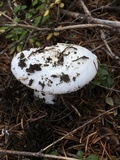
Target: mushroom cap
[(58, 69)]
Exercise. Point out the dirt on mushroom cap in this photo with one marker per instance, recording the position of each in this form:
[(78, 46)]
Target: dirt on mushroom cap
[(56, 69)]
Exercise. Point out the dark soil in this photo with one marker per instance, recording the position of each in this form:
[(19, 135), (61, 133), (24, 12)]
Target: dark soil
[(27, 124)]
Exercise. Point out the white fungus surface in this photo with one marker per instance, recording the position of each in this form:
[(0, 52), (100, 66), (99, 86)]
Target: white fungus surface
[(57, 69)]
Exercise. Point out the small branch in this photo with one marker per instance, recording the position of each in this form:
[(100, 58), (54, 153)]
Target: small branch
[(88, 14), (34, 154), (106, 8), (115, 24), (109, 51), (81, 26), (107, 88), (100, 46), (6, 16), (98, 21), (14, 24), (80, 127), (58, 29), (40, 154)]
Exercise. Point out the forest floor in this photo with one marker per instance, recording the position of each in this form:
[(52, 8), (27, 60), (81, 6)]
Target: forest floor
[(82, 125)]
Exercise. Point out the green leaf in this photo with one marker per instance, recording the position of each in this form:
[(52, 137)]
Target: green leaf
[(28, 15), (32, 11), (103, 70), (17, 8), (104, 76), (3, 29), (54, 153), (109, 101), (37, 20), (43, 1), (1, 3), (9, 36), (107, 81), (80, 154), (23, 34), (37, 43), (19, 48), (110, 81), (45, 19), (31, 40), (92, 157), (17, 31), (16, 20), (23, 7), (35, 2), (41, 7)]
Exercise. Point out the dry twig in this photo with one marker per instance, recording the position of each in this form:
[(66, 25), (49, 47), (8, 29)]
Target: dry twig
[(90, 18), (40, 153), (109, 51), (75, 130), (114, 25)]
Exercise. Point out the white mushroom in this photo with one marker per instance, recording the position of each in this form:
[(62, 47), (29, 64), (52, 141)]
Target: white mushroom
[(54, 70)]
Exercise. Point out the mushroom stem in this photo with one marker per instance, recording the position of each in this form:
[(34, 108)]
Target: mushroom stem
[(48, 98)]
